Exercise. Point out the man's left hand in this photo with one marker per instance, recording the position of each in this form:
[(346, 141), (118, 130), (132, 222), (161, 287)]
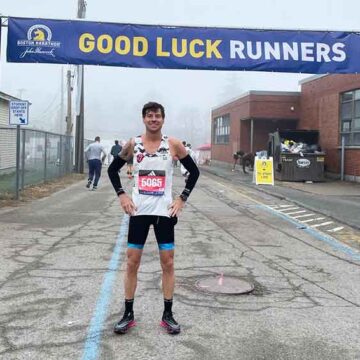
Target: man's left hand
[(176, 207)]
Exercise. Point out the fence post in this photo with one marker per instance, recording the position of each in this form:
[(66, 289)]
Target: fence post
[(23, 159), (17, 182), (61, 173), (45, 153)]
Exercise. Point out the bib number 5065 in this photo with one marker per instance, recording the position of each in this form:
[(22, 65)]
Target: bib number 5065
[(151, 182)]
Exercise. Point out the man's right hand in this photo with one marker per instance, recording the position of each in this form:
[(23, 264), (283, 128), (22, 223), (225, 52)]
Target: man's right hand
[(127, 204)]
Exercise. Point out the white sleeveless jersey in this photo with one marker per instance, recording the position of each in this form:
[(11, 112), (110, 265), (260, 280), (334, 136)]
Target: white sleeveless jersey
[(152, 191)]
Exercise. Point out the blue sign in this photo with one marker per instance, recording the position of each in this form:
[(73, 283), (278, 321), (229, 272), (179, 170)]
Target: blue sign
[(171, 47)]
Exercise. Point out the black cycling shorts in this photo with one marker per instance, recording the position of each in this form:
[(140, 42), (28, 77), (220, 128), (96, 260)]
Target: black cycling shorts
[(163, 227)]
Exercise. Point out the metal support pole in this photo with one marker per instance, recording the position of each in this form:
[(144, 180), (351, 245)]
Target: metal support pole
[(251, 135), (79, 131), (23, 159), (342, 157), (17, 183), (45, 154), (61, 172), (69, 124)]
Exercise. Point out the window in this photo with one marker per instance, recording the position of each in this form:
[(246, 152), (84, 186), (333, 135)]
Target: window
[(222, 129), (350, 117)]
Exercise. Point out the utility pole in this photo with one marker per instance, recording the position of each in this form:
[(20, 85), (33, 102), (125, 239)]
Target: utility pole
[(61, 122), (20, 93), (79, 131), (69, 124)]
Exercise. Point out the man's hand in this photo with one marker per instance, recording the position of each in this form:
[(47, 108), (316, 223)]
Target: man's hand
[(176, 207), (127, 204)]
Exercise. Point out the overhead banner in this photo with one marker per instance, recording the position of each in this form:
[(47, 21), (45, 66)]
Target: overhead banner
[(170, 47)]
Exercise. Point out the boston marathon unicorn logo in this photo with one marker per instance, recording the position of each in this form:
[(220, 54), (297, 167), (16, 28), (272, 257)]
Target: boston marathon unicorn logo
[(39, 33), (39, 42)]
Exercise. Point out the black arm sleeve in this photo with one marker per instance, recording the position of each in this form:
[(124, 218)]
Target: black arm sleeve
[(113, 172), (194, 174)]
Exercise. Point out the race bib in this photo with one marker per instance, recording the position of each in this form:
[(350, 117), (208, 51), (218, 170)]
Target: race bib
[(151, 182)]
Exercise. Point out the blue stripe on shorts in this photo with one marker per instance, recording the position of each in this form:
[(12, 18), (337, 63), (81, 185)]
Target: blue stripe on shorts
[(168, 246), (135, 246)]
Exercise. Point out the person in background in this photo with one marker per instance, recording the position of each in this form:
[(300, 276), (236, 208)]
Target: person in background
[(93, 155), (115, 150)]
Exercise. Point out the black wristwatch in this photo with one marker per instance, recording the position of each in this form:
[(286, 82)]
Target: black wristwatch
[(120, 192), (183, 197)]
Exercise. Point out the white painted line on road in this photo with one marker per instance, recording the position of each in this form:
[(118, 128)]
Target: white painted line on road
[(283, 206), (293, 208), (306, 221), (322, 224), (335, 244), (302, 216), (336, 229), (295, 212)]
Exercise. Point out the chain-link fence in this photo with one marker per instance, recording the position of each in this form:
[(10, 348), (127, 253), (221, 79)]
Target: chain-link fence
[(43, 156)]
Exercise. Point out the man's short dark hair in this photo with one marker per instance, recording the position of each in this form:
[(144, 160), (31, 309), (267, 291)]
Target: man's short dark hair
[(97, 138), (116, 142), (153, 106)]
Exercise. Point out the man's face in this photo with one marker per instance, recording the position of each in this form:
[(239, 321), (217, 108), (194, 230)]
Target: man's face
[(153, 121)]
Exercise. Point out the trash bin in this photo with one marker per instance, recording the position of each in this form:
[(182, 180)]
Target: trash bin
[(296, 155)]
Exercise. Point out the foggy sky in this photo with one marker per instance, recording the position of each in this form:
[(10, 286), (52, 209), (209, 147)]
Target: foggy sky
[(114, 96)]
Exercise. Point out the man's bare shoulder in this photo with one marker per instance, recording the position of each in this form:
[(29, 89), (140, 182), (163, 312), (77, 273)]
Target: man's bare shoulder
[(178, 149), (128, 149), (174, 141)]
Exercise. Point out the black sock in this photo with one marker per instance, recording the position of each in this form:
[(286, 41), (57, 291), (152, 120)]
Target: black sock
[(168, 305), (129, 305)]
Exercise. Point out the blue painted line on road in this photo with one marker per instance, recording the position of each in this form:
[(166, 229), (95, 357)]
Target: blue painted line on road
[(91, 347), (325, 238)]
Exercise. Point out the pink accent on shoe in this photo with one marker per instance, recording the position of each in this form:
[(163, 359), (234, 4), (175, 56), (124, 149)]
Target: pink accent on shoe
[(168, 328), (131, 324)]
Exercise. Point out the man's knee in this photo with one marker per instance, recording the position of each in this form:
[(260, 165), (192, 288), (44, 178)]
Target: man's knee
[(133, 262), (167, 263)]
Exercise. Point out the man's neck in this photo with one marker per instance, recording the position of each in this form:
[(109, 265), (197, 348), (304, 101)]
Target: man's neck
[(152, 136)]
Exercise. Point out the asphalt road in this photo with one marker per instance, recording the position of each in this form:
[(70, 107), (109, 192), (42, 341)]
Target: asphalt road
[(62, 262)]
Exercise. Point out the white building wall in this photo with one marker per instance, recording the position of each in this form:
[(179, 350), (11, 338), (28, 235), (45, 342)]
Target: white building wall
[(7, 138)]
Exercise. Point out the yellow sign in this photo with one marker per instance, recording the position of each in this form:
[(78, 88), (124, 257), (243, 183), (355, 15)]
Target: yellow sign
[(264, 171)]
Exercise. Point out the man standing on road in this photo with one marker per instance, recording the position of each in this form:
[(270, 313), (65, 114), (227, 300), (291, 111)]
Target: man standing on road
[(115, 150), (93, 155), (152, 204)]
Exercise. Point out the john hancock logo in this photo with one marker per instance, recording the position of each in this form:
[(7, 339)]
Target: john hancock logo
[(39, 42)]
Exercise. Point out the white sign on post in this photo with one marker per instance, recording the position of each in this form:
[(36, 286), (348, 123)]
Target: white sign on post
[(18, 113)]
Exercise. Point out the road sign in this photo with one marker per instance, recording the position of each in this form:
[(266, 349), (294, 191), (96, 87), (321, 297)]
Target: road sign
[(18, 113), (264, 173)]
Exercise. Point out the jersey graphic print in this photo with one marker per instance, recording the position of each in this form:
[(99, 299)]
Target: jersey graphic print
[(151, 182)]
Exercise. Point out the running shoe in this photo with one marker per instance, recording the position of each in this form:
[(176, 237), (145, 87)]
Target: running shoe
[(125, 323), (169, 323)]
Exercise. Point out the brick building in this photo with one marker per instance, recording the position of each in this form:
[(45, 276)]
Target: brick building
[(328, 103)]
